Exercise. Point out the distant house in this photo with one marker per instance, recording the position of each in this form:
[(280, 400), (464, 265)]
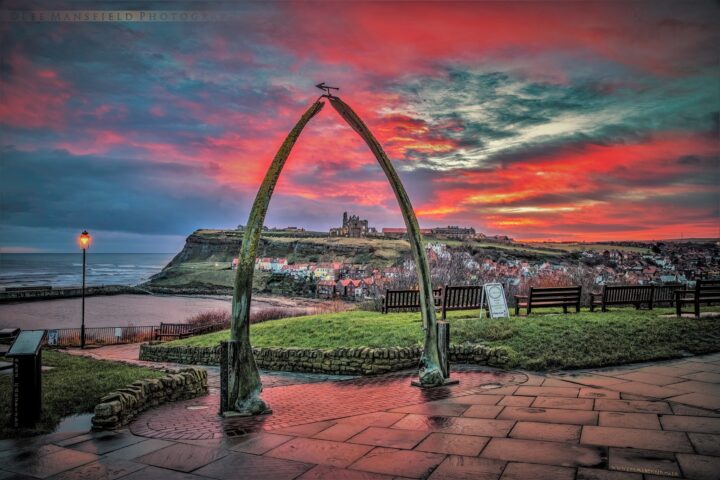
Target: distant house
[(297, 270), (326, 289), (402, 232), (454, 231), (346, 287), (274, 265), (263, 264), (327, 271)]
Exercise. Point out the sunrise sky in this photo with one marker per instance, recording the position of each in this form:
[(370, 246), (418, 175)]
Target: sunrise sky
[(538, 120)]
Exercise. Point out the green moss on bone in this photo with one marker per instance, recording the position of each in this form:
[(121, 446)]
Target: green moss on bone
[(244, 380)]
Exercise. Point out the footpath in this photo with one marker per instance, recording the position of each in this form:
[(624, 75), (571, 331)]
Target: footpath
[(640, 422)]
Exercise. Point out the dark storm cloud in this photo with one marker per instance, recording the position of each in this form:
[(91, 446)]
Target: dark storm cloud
[(501, 120), (57, 190)]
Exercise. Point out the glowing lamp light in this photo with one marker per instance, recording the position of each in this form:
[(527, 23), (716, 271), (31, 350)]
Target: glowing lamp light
[(85, 239)]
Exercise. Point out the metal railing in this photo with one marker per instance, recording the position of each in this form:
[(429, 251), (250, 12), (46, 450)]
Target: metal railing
[(70, 337)]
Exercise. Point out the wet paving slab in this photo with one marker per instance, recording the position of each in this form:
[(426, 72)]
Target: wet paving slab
[(197, 419), (492, 426)]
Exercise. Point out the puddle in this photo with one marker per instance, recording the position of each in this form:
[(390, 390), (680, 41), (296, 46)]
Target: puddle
[(490, 386), (75, 423)]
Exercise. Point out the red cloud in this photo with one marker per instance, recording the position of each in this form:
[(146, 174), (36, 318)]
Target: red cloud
[(611, 192), (390, 37), (32, 96)]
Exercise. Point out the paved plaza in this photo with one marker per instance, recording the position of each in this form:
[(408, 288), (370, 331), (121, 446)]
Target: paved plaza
[(651, 421)]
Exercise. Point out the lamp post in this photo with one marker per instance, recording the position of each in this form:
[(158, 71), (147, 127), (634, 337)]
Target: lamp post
[(84, 244)]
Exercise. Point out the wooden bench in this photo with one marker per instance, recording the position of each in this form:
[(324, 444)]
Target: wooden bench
[(666, 293), (461, 298), (623, 295), (705, 292), (184, 330), (171, 330), (549, 297), (406, 300)]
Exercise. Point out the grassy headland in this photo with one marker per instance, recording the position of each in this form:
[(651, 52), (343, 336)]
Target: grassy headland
[(204, 262)]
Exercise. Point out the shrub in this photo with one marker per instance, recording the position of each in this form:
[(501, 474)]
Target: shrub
[(210, 317), (275, 313), (223, 317)]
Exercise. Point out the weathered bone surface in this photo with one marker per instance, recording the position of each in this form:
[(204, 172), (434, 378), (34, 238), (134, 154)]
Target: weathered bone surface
[(244, 379), (430, 371)]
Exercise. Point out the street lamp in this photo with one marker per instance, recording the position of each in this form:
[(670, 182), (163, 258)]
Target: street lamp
[(84, 244)]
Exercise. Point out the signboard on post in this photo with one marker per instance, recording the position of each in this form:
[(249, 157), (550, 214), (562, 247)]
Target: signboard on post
[(493, 295)]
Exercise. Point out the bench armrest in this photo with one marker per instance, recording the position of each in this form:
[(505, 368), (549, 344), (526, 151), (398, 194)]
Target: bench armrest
[(520, 296), (596, 294)]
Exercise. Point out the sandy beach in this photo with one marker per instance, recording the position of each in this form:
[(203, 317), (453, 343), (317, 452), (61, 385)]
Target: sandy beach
[(127, 310)]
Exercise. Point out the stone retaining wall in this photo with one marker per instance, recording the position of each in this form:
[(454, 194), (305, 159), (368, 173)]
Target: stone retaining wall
[(338, 361), (120, 407)]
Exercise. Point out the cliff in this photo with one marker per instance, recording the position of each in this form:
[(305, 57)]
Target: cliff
[(223, 246), (203, 265)]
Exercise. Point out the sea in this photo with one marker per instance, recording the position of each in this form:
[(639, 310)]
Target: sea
[(65, 269)]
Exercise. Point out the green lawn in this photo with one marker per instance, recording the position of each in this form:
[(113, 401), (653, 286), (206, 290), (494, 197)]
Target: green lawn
[(75, 385), (539, 342)]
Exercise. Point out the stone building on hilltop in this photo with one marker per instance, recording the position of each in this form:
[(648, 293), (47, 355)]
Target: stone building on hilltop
[(454, 231), (352, 226), (449, 232)]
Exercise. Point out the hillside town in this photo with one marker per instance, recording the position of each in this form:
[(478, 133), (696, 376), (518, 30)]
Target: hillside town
[(660, 263)]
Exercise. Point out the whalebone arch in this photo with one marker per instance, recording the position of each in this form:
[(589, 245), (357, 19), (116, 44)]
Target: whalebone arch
[(244, 386)]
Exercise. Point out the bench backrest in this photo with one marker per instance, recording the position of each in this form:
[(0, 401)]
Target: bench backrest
[(569, 295), (409, 298), (666, 293), (628, 293), (462, 297), (707, 289)]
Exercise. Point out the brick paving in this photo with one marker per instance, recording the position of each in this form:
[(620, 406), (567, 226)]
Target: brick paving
[(197, 419), (640, 422)]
